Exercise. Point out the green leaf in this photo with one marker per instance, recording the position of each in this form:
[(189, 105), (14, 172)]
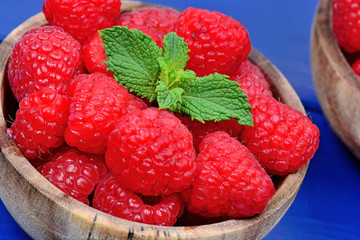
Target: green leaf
[(168, 98), (214, 97), (133, 58), (176, 51), (174, 61)]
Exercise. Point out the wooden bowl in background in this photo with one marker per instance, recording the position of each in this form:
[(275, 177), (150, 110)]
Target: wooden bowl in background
[(45, 212), (337, 86)]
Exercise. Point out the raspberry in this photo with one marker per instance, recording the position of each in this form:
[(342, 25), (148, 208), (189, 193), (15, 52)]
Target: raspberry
[(156, 36), (98, 102), (152, 152), (346, 24), (40, 122), (135, 103), (111, 197), (217, 42), (44, 56), (199, 130), (74, 172), (356, 67), (94, 55), (251, 80), (81, 18), (282, 139), (161, 20), (231, 182)]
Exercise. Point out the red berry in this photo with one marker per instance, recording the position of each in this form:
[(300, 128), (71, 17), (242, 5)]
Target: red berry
[(282, 139), (111, 197), (43, 57), (94, 55), (346, 24), (161, 20), (98, 102), (199, 130), (156, 36), (40, 122), (74, 172), (135, 103), (217, 42), (251, 80), (231, 182), (356, 67), (81, 18), (152, 152)]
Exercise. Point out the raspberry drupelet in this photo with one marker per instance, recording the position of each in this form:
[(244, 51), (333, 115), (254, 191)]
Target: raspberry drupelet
[(231, 182), (113, 198), (152, 152), (43, 57)]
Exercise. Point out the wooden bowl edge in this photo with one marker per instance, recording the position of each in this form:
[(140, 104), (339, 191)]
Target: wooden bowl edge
[(337, 86)]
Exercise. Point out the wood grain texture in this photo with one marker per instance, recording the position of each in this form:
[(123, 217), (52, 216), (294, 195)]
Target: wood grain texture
[(45, 212), (337, 86)]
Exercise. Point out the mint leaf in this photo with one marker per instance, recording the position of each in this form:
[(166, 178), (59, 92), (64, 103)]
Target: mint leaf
[(174, 61), (176, 51), (133, 58), (168, 98), (214, 97)]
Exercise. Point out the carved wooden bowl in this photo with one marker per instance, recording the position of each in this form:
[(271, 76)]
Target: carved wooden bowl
[(45, 212), (337, 86)]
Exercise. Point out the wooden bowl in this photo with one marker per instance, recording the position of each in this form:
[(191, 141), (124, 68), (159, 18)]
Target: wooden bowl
[(45, 212), (337, 86)]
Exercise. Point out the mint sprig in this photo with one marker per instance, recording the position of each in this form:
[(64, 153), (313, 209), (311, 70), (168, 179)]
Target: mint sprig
[(142, 67)]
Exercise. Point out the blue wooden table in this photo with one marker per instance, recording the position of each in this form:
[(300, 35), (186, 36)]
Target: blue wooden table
[(328, 203)]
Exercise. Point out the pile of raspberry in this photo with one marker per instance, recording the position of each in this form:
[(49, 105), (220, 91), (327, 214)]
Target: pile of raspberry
[(346, 29), (120, 154)]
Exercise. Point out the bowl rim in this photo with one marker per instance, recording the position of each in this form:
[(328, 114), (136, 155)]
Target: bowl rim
[(323, 22), (284, 195)]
